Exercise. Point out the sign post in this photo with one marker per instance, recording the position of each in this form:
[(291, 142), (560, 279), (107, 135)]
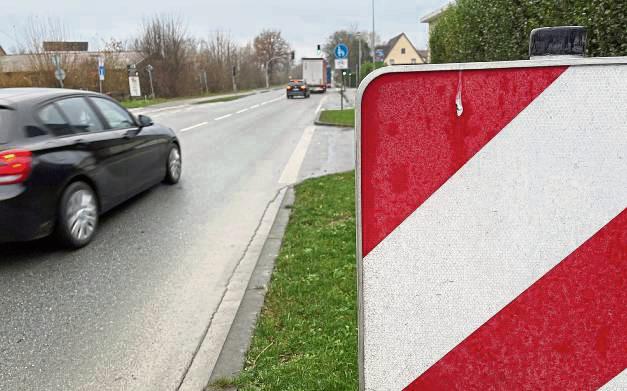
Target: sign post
[(341, 52), (492, 225), (101, 72), (133, 81), (59, 73)]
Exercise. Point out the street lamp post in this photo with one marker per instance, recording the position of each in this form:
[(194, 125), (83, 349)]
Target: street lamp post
[(373, 35)]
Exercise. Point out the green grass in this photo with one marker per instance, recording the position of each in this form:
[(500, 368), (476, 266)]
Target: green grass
[(137, 103), (338, 117), (306, 337), (222, 99)]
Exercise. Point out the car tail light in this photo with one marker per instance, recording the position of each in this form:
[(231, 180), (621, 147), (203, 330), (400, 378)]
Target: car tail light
[(15, 166)]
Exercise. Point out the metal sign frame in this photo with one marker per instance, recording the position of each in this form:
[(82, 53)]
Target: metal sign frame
[(534, 63)]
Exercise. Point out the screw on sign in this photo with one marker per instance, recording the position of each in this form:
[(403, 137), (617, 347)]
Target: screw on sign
[(493, 226)]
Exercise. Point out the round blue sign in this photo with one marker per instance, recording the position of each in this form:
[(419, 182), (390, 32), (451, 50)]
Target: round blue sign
[(341, 51)]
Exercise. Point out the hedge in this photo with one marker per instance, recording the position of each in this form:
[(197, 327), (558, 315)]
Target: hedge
[(497, 30)]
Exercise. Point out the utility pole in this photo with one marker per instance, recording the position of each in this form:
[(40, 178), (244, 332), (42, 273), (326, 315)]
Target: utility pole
[(373, 36), (206, 84)]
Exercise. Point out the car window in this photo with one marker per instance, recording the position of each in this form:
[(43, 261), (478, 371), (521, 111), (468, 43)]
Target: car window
[(116, 117), (81, 116), (52, 119), (6, 124)]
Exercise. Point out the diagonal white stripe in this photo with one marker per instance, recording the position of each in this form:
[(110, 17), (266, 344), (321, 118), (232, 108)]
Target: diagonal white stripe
[(619, 383), (544, 185)]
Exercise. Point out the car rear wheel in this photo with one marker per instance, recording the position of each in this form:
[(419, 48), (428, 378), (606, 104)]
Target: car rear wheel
[(174, 166), (77, 218)]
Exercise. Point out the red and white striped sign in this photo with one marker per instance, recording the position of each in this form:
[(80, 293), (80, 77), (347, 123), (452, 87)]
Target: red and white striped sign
[(492, 226)]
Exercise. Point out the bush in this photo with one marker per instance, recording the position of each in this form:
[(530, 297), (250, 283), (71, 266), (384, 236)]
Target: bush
[(368, 67), (497, 30)]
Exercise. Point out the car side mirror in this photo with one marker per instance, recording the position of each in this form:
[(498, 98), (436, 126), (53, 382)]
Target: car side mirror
[(144, 121)]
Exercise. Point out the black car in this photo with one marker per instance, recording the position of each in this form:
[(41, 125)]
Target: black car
[(298, 88), (68, 156)]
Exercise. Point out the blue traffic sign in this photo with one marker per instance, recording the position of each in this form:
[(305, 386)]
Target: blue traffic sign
[(101, 72), (341, 51)]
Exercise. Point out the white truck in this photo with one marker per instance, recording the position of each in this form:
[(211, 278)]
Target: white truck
[(315, 74)]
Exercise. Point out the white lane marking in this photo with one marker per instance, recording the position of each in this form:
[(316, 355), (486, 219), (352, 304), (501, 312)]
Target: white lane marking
[(290, 173), (194, 127), (242, 111), (322, 101), (223, 117), (545, 184), (254, 107)]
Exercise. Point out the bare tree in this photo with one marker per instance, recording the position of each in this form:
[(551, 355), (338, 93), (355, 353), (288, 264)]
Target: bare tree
[(167, 47), (219, 54), (270, 45), (250, 73)]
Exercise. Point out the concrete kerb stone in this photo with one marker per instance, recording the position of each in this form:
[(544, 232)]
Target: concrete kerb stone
[(233, 354)]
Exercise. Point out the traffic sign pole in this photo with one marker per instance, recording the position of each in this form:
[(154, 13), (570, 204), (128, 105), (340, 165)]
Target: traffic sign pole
[(101, 72)]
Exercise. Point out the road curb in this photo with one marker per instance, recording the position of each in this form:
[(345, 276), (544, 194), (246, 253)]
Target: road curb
[(233, 354), (322, 123)]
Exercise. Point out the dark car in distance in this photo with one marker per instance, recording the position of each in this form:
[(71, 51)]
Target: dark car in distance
[(297, 88), (68, 156)]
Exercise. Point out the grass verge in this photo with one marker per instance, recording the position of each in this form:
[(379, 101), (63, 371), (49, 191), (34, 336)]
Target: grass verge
[(222, 99), (306, 337), (137, 103), (338, 117)]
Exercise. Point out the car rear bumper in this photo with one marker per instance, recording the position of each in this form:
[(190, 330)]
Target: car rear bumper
[(20, 218), (297, 93), (318, 88)]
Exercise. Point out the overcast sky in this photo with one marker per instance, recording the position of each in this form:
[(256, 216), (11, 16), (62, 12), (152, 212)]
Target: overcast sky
[(304, 23)]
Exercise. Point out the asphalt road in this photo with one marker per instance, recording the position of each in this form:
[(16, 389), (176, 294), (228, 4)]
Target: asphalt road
[(128, 311)]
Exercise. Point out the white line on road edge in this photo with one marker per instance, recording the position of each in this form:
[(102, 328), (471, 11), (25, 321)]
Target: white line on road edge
[(242, 111), (206, 357), (254, 107), (194, 127), (290, 173), (223, 117)]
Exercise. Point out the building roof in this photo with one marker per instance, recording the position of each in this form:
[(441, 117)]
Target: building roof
[(2, 52), (24, 62), (392, 42), (431, 16)]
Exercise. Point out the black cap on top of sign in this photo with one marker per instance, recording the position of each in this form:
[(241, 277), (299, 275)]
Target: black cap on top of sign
[(558, 41)]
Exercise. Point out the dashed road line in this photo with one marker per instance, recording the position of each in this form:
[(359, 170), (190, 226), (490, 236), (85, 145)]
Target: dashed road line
[(223, 117), (242, 111), (194, 126)]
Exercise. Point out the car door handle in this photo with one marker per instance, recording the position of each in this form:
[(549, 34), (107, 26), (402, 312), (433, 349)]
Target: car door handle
[(80, 143)]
